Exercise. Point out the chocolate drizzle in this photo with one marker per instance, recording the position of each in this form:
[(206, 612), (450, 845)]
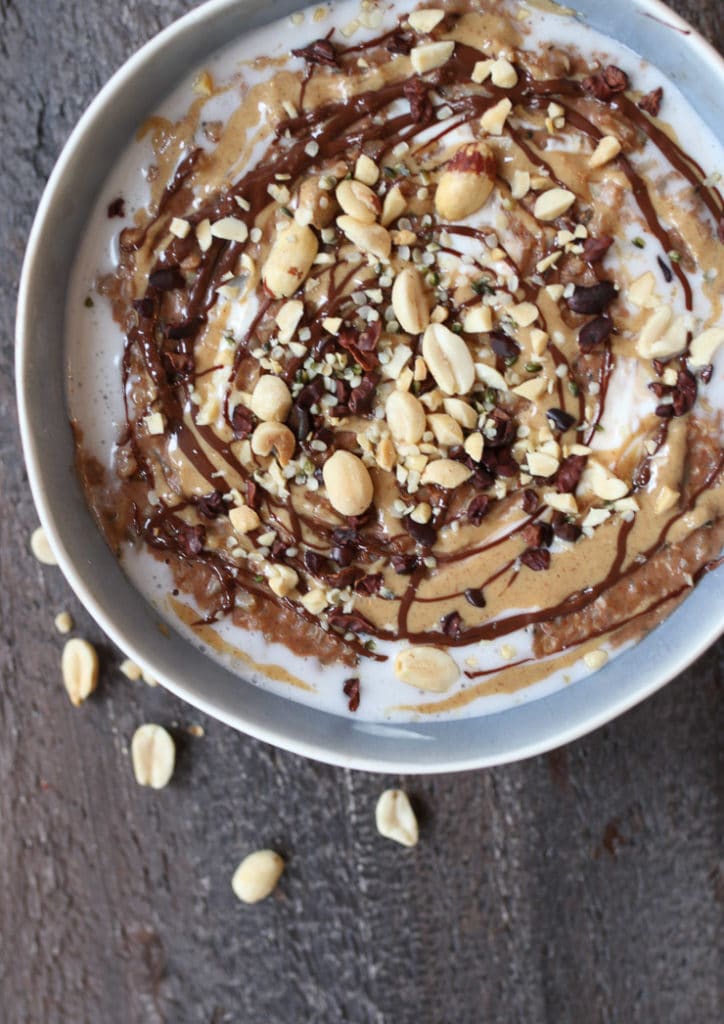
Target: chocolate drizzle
[(170, 316)]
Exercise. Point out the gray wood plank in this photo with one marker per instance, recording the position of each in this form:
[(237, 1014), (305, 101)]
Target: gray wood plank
[(581, 886)]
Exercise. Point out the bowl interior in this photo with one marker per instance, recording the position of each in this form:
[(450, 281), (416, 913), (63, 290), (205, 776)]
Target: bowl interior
[(647, 27)]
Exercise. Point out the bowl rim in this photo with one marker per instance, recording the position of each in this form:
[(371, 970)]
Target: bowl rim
[(551, 735)]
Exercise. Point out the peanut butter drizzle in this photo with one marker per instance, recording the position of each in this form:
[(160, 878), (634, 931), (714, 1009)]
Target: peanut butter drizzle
[(210, 636), (207, 454)]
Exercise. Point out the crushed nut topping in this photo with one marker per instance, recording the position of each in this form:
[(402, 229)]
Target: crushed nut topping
[(373, 379)]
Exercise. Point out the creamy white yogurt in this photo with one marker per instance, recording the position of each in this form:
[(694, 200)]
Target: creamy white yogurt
[(95, 347)]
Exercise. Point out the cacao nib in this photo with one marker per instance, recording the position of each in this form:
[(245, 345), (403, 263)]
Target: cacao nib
[(594, 249), (211, 505), (452, 625), (324, 434), (278, 548), (117, 208), (482, 479), (475, 597), (186, 329), (537, 559), (684, 392), (399, 42), (420, 105), (560, 419), (315, 563), (166, 279), (253, 495), (345, 577), (343, 554), (615, 78), (720, 229), (344, 535), (369, 339), (478, 509), (357, 522), (658, 366), (242, 421), (660, 389), (538, 535), (299, 422), (651, 102), (369, 584), (291, 369), (404, 565), (311, 393), (362, 397), (423, 534), (177, 366), (350, 688), (145, 307), (320, 51), (190, 539), (642, 475), (607, 83), (594, 333), (706, 373), (569, 473), (349, 621), (664, 411), (592, 299), (500, 462), (565, 530), (322, 347), (504, 429), (504, 346), (665, 270), (361, 346), (597, 87), (530, 500)]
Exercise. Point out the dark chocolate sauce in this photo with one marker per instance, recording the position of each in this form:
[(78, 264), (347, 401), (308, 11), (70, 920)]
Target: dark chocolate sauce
[(356, 124)]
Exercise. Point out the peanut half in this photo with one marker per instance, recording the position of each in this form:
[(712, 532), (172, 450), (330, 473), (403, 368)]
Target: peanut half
[(359, 201), (271, 399), (467, 183), (395, 818), (79, 668), (257, 876), (272, 437), (704, 345), (409, 301), (244, 519), (40, 546), (394, 205), (371, 238), (405, 417), (153, 755), (447, 430), (290, 260), (348, 482), (445, 473), (448, 360), (427, 668)]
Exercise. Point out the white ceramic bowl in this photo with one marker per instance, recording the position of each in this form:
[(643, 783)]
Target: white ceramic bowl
[(649, 28)]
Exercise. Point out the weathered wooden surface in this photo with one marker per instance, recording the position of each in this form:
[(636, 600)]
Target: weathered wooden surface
[(584, 886)]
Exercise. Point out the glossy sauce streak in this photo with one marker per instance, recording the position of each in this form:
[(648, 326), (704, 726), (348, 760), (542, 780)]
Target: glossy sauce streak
[(337, 128)]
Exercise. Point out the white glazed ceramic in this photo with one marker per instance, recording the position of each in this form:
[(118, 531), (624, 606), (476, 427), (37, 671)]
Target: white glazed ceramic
[(649, 28)]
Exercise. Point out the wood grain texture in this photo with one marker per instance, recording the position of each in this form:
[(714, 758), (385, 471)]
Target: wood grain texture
[(584, 886)]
